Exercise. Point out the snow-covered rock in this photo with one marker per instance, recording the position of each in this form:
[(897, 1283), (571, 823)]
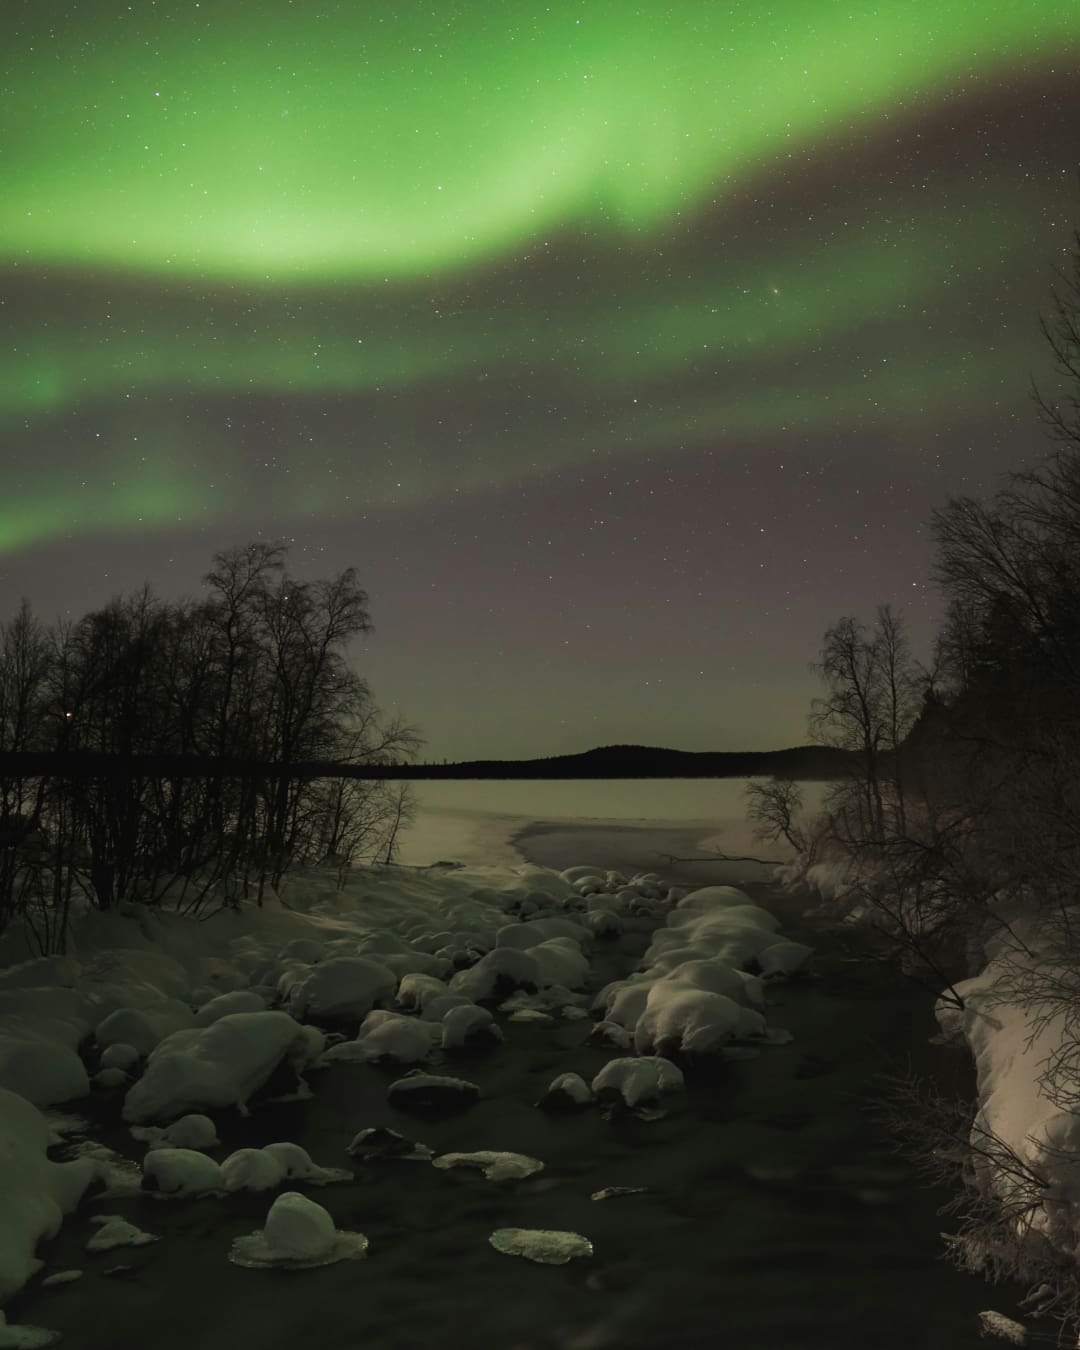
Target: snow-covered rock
[(235, 1001), (181, 1172), (680, 1018), (143, 1027), (35, 1193), (251, 1169), (468, 1026), (298, 1166), (341, 987), (120, 1055), (113, 1231), (783, 958), (417, 989), (298, 1233), (636, 1081), (191, 1131), (500, 970), (43, 1070), (567, 1092), (386, 1035), (216, 1066)]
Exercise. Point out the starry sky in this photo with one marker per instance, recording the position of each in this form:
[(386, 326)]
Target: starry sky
[(621, 347)]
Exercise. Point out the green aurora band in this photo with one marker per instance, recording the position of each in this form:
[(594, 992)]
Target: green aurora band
[(331, 140), (326, 202)]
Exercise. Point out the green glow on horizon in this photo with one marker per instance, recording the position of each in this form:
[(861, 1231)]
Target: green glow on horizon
[(329, 141)]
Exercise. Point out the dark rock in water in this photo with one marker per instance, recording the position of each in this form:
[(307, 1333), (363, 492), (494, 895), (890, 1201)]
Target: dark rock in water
[(609, 1192), (431, 1093), (378, 1143)]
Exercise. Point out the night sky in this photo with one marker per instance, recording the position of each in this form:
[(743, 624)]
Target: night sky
[(621, 347)]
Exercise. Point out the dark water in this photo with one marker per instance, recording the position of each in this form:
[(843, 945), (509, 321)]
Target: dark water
[(776, 1214)]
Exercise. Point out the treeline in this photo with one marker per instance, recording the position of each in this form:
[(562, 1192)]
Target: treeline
[(102, 720), (610, 762), (644, 761), (959, 821)]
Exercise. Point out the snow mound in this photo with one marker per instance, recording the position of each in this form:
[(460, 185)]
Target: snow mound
[(298, 1234), (39, 1068), (342, 987), (216, 1066), (501, 970), (181, 1172), (297, 1165), (386, 1035), (251, 1169), (783, 958), (24, 1336), (417, 990), (116, 1232), (235, 1001), (567, 1092), (36, 1192), (635, 1081), (119, 1056), (144, 1027), (191, 1131), (682, 1018), (467, 1026)]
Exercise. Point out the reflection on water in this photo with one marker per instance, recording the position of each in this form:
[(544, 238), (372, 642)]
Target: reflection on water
[(471, 822)]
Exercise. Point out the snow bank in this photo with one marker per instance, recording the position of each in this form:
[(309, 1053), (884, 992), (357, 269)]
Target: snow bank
[(36, 1193)]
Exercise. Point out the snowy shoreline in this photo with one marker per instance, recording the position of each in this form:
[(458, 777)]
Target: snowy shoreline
[(583, 1153)]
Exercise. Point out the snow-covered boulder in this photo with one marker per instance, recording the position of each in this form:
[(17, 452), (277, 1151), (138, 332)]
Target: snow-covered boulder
[(298, 1233), (706, 898), (468, 1026), (145, 1026), (417, 989), (681, 1018), (495, 974), (181, 1172), (783, 958), (636, 1081), (567, 1092), (560, 961), (719, 978), (251, 1169), (192, 1131), (297, 1165), (386, 1035), (341, 987), (36, 1192), (43, 1070), (235, 1001), (216, 1066), (437, 1008), (119, 1055)]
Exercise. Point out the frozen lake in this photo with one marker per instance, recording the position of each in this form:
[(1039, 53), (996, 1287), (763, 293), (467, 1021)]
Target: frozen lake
[(472, 822)]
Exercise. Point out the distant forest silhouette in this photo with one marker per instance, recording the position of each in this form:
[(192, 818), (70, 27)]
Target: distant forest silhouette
[(807, 762)]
